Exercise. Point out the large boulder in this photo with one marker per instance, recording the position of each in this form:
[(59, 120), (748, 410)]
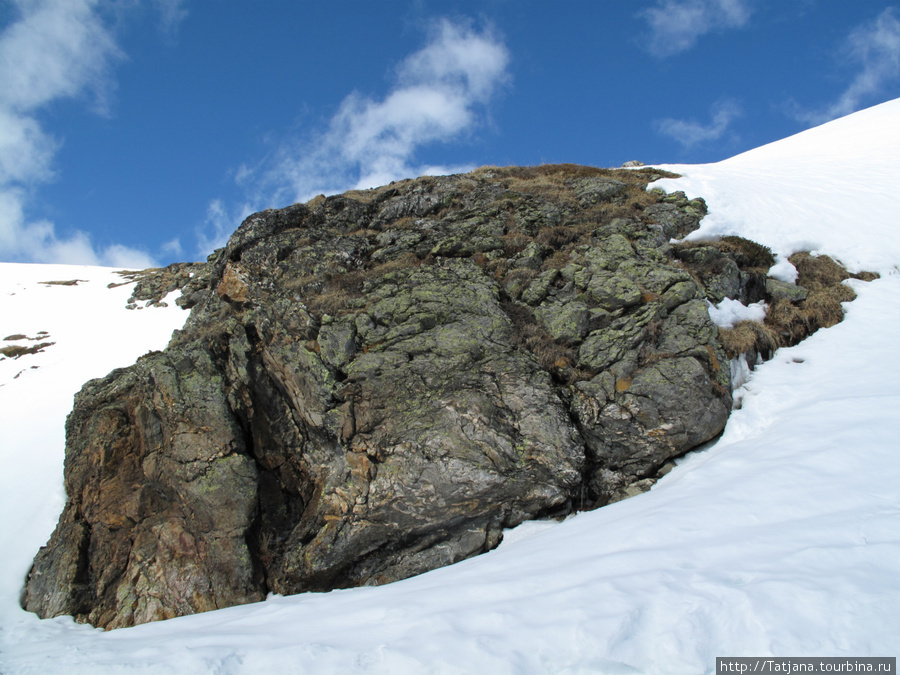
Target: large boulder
[(376, 384)]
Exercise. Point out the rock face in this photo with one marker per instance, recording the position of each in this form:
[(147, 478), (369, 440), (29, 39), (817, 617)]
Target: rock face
[(375, 384)]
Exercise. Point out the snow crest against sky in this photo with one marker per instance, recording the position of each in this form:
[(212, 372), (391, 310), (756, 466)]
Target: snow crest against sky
[(136, 133)]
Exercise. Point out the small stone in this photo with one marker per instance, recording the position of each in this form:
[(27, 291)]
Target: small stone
[(782, 290)]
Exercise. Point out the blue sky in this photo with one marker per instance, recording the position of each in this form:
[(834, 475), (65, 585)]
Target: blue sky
[(139, 133)]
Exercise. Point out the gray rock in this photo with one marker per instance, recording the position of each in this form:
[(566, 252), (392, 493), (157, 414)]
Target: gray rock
[(719, 273), (376, 384), (595, 190), (782, 290), (568, 322), (676, 222), (613, 291)]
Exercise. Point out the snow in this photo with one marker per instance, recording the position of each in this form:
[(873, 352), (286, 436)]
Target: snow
[(740, 375), (783, 270), (780, 539), (831, 189), (729, 313)]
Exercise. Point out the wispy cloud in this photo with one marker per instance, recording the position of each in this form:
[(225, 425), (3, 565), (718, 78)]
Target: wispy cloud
[(874, 49), (691, 132), (221, 220), (57, 49), (676, 25), (439, 95), (171, 14)]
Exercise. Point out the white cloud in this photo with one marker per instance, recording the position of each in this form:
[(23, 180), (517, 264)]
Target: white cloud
[(438, 96), (676, 25), (26, 152), (57, 49), (690, 132), (874, 49)]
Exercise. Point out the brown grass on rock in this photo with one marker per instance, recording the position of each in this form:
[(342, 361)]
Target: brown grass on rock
[(817, 272), (750, 336), (557, 237), (746, 253)]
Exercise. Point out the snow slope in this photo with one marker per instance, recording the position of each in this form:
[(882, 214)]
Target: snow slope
[(781, 539), (92, 333)]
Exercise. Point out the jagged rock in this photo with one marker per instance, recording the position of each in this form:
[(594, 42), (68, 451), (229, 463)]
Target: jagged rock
[(676, 220), (375, 384), (155, 283), (720, 275), (593, 190)]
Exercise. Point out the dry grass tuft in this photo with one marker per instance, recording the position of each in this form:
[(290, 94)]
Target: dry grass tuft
[(750, 336), (558, 260), (330, 295), (316, 201), (817, 272), (791, 322), (821, 309), (515, 243), (824, 306), (746, 253), (553, 182), (866, 276), (557, 237)]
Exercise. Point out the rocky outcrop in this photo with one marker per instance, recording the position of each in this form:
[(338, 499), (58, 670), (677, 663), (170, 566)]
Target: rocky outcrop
[(375, 384), (154, 284)]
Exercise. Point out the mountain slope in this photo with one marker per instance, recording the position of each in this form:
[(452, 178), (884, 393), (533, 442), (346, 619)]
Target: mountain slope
[(781, 539)]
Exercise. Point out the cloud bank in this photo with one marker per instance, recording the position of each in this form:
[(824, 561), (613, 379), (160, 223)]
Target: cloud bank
[(676, 25), (690, 132), (874, 50), (57, 49), (439, 95)]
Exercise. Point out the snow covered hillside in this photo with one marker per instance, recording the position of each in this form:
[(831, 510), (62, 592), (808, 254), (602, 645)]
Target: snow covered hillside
[(782, 539)]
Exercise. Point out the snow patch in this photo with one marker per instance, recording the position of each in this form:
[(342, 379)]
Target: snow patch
[(783, 270), (729, 313)]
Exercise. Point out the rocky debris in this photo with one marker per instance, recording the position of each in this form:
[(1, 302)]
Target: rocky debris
[(156, 283), (375, 384)]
